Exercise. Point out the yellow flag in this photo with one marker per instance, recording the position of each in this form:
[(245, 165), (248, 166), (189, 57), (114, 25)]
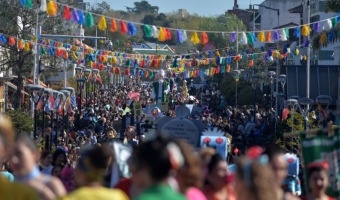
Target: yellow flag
[(162, 35), (102, 23), (194, 38)]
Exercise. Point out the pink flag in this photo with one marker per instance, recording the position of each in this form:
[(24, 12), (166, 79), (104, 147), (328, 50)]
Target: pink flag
[(134, 96)]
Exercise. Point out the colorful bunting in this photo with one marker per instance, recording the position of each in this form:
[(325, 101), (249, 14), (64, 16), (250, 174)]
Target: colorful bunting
[(102, 23), (204, 38), (194, 38), (67, 13), (123, 28), (89, 21)]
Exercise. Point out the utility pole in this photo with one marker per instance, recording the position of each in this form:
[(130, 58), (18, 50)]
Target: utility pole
[(308, 53)]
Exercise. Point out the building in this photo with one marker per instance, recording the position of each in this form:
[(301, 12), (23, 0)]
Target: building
[(269, 19), (329, 55), (247, 16)]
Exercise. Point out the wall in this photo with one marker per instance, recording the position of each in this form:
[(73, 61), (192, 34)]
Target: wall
[(269, 17)]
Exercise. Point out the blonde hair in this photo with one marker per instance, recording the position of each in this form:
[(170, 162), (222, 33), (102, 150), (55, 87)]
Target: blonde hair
[(7, 131)]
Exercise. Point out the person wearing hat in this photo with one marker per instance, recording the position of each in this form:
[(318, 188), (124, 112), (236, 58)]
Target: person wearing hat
[(160, 87)]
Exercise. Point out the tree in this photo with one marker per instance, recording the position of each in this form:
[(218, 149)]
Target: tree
[(20, 22), (333, 6), (22, 122), (143, 7), (101, 8)]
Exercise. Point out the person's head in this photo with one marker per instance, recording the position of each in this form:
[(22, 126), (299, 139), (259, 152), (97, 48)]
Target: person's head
[(56, 171), (254, 179), (6, 137), (217, 171), (151, 161), (277, 162), (318, 180), (46, 158), (92, 165), (130, 133), (25, 155), (59, 158)]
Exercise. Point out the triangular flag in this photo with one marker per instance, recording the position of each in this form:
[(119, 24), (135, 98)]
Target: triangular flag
[(194, 38), (102, 23)]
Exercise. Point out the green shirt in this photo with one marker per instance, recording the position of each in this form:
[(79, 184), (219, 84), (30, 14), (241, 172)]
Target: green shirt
[(160, 192)]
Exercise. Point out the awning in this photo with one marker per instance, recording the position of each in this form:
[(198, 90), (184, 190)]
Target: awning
[(41, 83), (15, 87)]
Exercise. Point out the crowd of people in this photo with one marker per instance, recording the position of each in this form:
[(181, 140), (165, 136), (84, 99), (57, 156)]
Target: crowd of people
[(78, 162)]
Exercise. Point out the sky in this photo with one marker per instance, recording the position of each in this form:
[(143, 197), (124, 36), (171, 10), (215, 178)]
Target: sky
[(200, 7)]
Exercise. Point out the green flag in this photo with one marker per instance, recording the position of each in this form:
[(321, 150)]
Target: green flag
[(324, 148)]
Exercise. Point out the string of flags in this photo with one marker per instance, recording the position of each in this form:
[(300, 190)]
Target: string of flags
[(186, 65), (163, 34)]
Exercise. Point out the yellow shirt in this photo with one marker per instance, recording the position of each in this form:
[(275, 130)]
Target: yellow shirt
[(16, 191), (87, 193)]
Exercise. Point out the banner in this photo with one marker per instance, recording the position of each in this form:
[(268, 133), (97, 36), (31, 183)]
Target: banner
[(120, 168), (324, 148), (138, 109)]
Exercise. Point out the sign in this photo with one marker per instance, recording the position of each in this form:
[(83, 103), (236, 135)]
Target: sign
[(324, 148), (180, 128), (182, 111), (215, 138), (138, 109), (120, 168)]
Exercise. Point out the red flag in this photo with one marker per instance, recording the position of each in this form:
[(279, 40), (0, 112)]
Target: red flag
[(322, 111), (40, 105), (60, 109), (285, 113)]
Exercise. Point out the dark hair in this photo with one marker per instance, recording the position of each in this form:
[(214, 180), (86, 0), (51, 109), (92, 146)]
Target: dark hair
[(273, 151), (215, 159), (98, 156), (153, 156), (258, 180), (44, 154), (56, 154), (315, 169)]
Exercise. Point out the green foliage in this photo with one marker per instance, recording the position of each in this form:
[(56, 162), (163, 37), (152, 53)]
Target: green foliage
[(332, 6), (295, 123), (22, 122), (143, 7), (245, 93)]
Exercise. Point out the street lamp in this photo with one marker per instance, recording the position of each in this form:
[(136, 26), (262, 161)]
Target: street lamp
[(304, 104), (59, 97), (71, 93), (236, 74), (255, 79), (36, 94), (277, 60), (108, 68), (80, 85), (47, 93), (282, 80), (87, 73), (95, 73), (271, 77), (66, 96)]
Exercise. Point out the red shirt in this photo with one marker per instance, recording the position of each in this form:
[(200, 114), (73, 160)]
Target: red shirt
[(305, 198), (125, 185)]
